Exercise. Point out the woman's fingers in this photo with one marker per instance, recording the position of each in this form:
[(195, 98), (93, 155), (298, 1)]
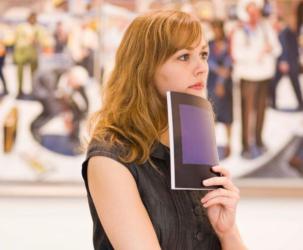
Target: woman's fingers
[(229, 195), (221, 170), (221, 181), (221, 200), (220, 192), (221, 196)]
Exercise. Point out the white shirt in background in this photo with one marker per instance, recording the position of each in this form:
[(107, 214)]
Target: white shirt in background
[(247, 47)]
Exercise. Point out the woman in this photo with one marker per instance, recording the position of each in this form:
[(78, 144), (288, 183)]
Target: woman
[(127, 167), (219, 81)]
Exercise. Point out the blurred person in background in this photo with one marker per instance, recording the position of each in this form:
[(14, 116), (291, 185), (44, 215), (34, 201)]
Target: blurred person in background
[(255, 48), (61, 91), (83, 44), (269, 8), (62, 5), (296, 160), (28, 39), (61, 38), (89, 46), (300, 32), (288, 62), (2, 62), (219, 85), (299, 17), (71, 92)]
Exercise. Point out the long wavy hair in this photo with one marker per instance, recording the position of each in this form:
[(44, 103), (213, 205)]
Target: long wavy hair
[(133, 113)]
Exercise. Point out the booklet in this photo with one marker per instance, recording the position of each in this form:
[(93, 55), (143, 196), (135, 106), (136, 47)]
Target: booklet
[(193, 149)]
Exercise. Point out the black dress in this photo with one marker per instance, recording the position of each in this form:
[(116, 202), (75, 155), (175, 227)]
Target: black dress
[(178, 218)]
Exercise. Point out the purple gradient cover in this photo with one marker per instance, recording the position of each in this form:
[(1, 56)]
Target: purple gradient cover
[(198, 145)]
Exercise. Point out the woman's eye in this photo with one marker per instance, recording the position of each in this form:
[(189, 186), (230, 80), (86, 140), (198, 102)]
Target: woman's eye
[(184, 57), (204, 55)]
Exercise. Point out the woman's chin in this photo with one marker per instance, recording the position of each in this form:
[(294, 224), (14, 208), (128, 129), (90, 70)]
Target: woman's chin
[(199, 93)]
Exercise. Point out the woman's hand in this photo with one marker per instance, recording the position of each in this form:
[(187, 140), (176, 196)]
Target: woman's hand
[(221, 203)]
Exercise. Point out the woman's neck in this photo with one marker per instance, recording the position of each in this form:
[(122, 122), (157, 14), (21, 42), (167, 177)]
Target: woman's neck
[(164, 138)]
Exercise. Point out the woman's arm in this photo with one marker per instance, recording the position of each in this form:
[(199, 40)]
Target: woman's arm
[(221, 207), (232, 240), (119, 206)]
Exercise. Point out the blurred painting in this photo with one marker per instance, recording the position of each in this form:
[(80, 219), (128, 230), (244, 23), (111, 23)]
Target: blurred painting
[(52, 61), (56, 54)]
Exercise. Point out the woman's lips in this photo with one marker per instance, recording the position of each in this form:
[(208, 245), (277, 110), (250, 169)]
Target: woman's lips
[(197, 86)]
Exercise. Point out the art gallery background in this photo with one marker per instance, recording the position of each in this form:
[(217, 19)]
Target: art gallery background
[(42, 197)]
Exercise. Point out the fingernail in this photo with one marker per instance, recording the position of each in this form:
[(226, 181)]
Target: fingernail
[(205, 182)]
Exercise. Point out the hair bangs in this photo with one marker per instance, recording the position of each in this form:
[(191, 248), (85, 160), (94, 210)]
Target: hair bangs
[(186, 34)]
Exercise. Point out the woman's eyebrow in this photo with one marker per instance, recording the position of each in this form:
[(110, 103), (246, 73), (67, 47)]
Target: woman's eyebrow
[(205, 47)]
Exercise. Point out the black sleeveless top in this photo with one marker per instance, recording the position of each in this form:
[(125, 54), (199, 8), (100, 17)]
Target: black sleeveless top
[(178, 217)]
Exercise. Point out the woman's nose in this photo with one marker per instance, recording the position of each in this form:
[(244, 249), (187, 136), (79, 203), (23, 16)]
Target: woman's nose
[(201, 66)]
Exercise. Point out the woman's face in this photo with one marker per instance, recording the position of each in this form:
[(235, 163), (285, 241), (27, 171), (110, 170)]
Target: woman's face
[(185, 71)]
